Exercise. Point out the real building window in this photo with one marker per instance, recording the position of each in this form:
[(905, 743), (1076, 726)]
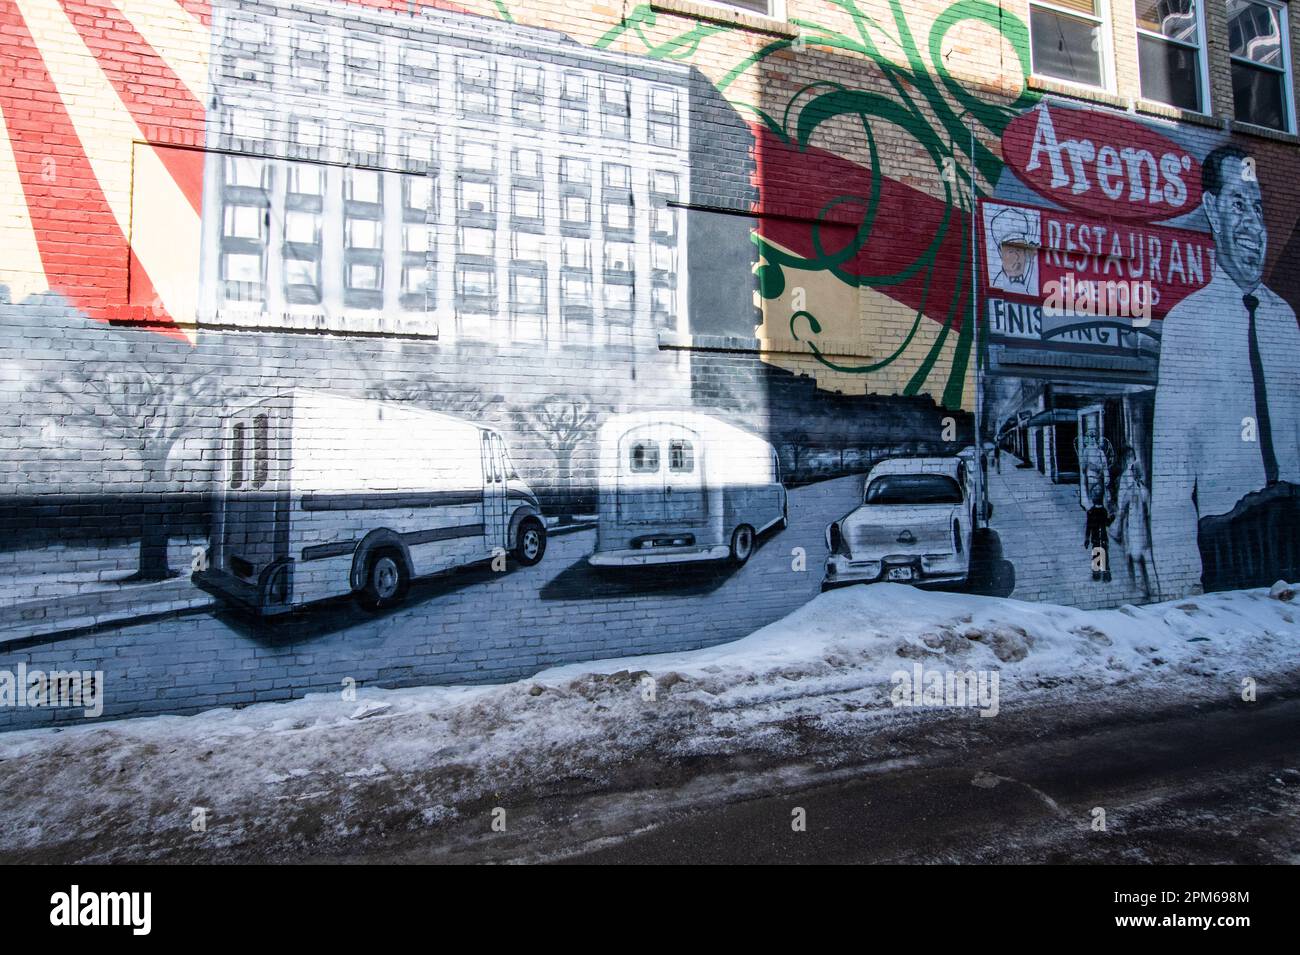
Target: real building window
[(1171, 53), (764, 8), (1067, 40), (1261, 63)]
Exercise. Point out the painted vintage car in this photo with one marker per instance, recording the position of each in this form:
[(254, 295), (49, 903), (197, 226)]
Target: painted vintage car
[(914, 525)]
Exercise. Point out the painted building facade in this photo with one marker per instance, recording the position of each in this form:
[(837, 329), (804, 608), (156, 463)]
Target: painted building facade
[(411, 342)]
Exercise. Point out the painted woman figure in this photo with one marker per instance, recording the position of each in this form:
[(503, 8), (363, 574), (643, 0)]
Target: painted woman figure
[(1132, 520)]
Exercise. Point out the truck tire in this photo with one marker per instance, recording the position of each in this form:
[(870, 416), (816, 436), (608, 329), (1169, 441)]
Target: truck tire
[(742, 544), (530, 543), (387, 580)]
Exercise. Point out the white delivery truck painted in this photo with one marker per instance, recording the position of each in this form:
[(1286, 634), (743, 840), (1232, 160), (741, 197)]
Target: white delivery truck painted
[(683, 486), (324, 495)]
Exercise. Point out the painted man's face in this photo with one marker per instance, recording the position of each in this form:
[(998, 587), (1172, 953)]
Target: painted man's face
[(1236, 215), (1015, 259)]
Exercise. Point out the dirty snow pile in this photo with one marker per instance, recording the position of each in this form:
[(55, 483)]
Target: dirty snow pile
[(314, 773)]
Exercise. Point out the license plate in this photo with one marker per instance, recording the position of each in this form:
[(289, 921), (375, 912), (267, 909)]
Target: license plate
[(899, 573)]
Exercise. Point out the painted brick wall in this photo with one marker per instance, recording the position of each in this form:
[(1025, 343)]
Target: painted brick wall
[(541, 221)]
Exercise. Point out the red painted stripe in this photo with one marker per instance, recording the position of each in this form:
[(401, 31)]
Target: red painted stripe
[(799, 192), (200, 10), (82, 247), (159, 102)]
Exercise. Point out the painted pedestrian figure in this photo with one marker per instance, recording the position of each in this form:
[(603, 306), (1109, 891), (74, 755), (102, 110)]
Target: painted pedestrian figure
[(1095, 537)]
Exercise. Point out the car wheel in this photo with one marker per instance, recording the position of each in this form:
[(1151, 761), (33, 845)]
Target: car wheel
[(530, 545), (387, 580), (742, 544)]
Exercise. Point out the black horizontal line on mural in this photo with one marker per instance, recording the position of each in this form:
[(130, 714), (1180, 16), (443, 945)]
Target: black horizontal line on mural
[(847, 219), (299, 156), (671, 341), (410, 539), (382, 502), (289, 329)]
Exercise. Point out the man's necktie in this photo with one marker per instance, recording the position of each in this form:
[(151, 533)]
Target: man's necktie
[(1261, 395)]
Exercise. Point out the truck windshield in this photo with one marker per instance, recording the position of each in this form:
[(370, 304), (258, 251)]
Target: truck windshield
[(913, 489)]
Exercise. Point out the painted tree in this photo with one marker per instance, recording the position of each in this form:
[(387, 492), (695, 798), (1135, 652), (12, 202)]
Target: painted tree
[(563, 423), (435, 395), (145, 394)]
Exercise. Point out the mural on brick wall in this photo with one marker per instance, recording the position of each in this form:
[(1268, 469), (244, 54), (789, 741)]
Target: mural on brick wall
[(384, 341), (1139, 363)]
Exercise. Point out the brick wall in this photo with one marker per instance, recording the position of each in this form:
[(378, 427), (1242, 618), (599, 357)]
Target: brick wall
[(538, 222)]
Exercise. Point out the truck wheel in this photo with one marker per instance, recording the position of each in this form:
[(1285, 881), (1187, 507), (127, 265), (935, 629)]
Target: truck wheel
[(530, 545), (742, 544), (387, 580)]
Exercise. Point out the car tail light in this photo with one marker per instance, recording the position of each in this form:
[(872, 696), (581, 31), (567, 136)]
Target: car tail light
[(956, 536), (834, 539)]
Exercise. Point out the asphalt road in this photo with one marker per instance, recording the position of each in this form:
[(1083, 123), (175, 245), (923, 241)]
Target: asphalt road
[(1216, 786), (1214, 781)]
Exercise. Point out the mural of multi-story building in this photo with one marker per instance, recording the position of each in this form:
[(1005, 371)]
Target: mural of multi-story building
[(473, 186)]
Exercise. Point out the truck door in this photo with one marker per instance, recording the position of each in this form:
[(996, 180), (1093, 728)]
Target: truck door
[(494, 494), (684, 498), (641, 475), (253, 519)]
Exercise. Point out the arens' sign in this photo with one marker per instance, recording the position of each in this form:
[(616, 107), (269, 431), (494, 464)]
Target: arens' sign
[(1102, 164)]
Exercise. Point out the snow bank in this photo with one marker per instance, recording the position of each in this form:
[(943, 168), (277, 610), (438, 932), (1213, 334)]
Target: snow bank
[(314, 772)]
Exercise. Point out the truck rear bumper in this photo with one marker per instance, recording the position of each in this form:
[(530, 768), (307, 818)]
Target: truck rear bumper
[(666, 555), (253, 598), (918, 571)]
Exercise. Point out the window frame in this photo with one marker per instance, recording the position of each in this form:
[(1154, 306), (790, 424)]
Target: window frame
[(1202, 52), (775, 9), (1106, 30), (1288, 91)]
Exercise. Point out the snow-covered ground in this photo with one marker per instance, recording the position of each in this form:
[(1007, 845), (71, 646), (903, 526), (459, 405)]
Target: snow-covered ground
[(308, 775)]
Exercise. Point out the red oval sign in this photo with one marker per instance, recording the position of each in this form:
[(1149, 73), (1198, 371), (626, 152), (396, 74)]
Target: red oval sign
[(1102, 164)]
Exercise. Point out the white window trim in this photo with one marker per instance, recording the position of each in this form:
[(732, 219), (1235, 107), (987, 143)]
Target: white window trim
[(1202, 53), (776, 8), (1106, 25), (1284, 29)]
